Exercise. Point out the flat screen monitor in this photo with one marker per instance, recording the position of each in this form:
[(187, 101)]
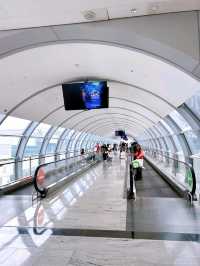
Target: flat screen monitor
[(120, 133), (85, 95)]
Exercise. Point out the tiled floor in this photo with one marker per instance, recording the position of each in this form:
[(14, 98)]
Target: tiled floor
[(40, 234), (82, 251)]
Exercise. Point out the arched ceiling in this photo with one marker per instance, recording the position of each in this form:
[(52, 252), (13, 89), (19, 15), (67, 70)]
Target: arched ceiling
[(107, 128), (141, 86)]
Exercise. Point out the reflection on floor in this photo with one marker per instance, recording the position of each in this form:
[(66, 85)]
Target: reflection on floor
[(88, 222), (84, 251)]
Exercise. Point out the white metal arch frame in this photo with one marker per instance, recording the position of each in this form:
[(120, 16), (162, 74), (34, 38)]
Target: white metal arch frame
[(156, 128), (100, 115), (110, 126), (21, 148), (83, 112), (169, 135), (29, 38), (10, 111), (123, 119), (137, 121), (131, 85), (78, 79), (181, 138), (109, 121)]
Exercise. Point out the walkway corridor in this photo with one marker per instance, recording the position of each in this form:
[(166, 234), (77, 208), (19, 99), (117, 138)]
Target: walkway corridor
[(88, 222)]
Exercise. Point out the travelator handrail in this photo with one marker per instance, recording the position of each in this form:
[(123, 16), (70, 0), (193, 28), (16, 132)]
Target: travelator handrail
[(173, 158), (43, 190), (15, 172), (33, 157), (190, 174)]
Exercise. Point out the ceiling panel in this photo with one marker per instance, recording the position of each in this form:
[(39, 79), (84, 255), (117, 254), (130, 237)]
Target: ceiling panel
[(142, 8), (137, 81), (29, 13)]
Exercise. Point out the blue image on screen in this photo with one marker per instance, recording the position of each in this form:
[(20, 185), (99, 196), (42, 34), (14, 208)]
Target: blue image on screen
[(92, 94)]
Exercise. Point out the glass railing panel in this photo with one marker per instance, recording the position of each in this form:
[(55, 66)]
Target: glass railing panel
[(7, 174), (49, 174), (180, 171)]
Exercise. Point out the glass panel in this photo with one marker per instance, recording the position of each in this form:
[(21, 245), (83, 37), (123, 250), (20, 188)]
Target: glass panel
[(64, 145), (8, 147), (84, 136), (29, 166), (145, 135), (7, 174), (193, 138), (33, 147), (13, 126), (51, 145), (179, 148), (74, 140), (162, 144), (1, 116), (58, 133), (170, 145), (65, 141), (54, 140), (162, 130), (154, 131), (41, 130), (167, 127), (84, 142), (158, 143), (180, 121), (49, 159), (181, 172), (194, 103)]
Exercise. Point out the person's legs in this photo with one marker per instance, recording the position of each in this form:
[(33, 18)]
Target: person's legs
[(138, 175), (130, 193)]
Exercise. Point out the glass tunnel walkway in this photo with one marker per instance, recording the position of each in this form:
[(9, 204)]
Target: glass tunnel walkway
[(89, 219)]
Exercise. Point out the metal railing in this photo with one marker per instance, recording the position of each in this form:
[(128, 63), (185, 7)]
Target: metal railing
[(181, 171), (13, 170), (54, 173)]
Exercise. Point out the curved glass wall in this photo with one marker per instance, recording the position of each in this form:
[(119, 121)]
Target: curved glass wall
[(34, 144), (51, 147), (194, 103), (11, 132), (180, 131), (26, 141), (13, 126), (36, 139), (175, 134), (64, 148), (193, 138), (40, 130), (180, 121)]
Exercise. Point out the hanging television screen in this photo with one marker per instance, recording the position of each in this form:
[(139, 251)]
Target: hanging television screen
[(120, 133), (85, 95)]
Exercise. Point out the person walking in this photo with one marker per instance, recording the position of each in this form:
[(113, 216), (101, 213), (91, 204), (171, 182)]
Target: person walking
[(138, 155)]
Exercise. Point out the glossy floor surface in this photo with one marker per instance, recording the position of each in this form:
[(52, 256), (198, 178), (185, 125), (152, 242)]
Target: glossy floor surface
[(89, 222)]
